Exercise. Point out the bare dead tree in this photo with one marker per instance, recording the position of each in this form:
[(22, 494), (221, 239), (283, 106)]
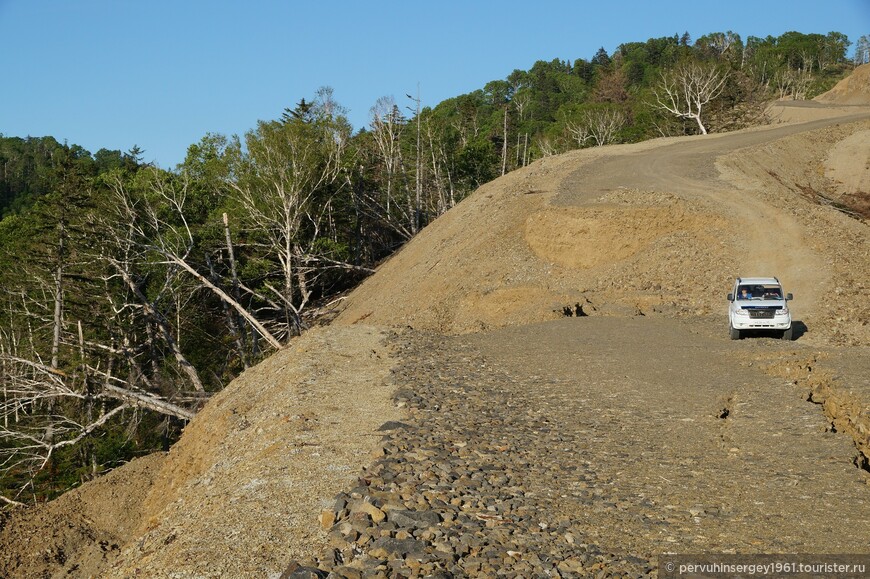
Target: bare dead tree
[(37, 416), (159, 319), (47, 405), (467, 127), (418, 168), (442, 177), (234, 321), (504, 144), (381, 204), (526, 152), (58, 294), (600, 125), (286, 167), (146, 231), (605, 123), (546, 146), (721, 42), (862, 51), (579, 131), (685, 90), (386, 123), (521, 101), (62, 387), (792, 83)]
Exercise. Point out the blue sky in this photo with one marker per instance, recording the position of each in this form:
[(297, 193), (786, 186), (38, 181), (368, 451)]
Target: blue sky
[(161, 74)]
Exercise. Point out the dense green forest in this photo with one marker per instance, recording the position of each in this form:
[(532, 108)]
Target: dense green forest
[(131, 293)]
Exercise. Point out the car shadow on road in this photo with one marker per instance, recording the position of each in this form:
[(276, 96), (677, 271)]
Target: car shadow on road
[(798, 329)]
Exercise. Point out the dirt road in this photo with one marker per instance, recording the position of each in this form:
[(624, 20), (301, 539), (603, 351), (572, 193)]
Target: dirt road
[(590, 446), (662, 226), (693, 448), (641, 428), (766, 238)]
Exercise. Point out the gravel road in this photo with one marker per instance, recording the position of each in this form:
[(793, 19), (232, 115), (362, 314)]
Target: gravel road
[(589, 446)]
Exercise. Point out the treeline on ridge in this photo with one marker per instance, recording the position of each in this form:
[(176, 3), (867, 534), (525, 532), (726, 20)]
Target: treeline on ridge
[(131, 293)]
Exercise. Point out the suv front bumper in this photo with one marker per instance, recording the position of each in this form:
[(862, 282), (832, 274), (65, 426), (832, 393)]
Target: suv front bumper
[(760, 324)]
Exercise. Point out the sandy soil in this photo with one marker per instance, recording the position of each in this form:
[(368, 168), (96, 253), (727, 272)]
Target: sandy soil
[(658, 228), (239, 495)]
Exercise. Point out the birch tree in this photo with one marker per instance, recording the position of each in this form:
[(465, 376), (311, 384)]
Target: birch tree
[(45, 409), (387, 126), (417, 209), (284, 183), (100, 364), (599, 124), (862, 51), (685, 90), (157, 229)]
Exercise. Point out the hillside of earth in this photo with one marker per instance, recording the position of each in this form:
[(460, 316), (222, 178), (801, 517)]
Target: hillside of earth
[(656, 227), (540, 383)]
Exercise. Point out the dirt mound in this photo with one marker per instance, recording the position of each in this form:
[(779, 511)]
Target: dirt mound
[(850, 186), (240, 493), (609, 234), (852, 90), (83, 530), (583, 238)]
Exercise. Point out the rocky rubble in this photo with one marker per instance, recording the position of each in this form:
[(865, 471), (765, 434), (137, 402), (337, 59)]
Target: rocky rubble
[(553, 450), (459, 490)]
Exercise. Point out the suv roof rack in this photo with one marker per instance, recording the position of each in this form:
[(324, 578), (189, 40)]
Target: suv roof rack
[(774, 278)]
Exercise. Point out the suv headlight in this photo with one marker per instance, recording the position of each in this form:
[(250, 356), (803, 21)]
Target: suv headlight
[(782, 312), (742, 312)]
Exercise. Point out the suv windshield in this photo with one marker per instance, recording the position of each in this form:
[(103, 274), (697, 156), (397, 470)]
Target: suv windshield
[(759, 292)]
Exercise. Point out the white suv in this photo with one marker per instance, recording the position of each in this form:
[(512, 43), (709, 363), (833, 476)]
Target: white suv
[(758, 304)]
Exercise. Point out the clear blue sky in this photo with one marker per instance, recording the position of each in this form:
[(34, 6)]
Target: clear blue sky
[(161, 74)]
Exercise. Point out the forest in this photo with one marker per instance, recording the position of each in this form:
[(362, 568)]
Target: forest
[(131, 293)]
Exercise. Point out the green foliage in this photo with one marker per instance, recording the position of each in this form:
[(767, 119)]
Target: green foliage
[(476, 163), (543, 98), (827, 78), (135, 434), (29, 166)]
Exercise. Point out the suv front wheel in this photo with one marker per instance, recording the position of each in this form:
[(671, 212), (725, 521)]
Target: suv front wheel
[(735, 334)]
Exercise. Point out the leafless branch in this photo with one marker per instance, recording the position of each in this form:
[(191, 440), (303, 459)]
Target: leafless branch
[(685, 90)]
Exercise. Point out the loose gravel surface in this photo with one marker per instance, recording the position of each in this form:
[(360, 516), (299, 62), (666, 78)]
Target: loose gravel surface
[(554, 450)]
